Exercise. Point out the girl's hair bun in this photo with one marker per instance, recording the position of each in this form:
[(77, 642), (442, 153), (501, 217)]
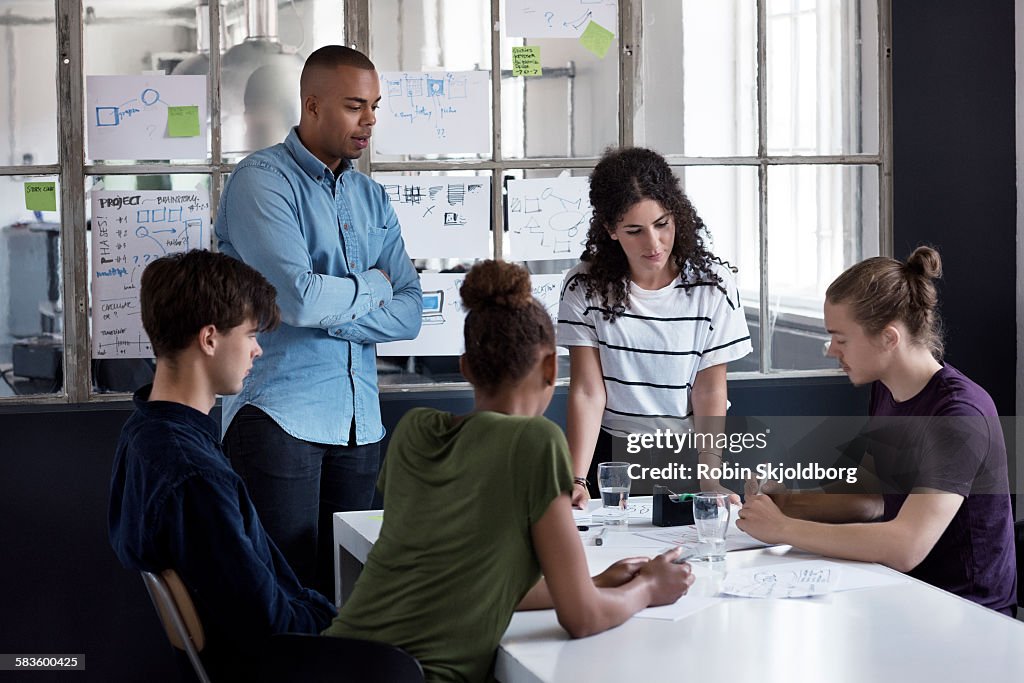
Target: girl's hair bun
[(496, 283)]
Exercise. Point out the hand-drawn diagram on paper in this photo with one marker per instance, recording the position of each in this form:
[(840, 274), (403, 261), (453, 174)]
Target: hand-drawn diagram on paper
[(779, 581), (548, 218), (442, 216), (130, 229), (443, 316), (445, 112), (558, 18), (127, 116)]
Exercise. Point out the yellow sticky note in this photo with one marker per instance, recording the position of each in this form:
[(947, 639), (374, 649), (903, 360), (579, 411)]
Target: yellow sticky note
[(183, 122), (41, 196), (597, 39), (526, 60)]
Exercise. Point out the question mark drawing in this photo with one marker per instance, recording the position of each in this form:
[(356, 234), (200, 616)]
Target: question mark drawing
[(149, 130), (548, 16)]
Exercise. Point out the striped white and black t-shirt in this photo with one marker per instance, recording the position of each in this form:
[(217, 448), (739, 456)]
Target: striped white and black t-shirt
[(652, 353)]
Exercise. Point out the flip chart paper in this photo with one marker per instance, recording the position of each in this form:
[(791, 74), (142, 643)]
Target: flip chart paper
[(442, 216), (437, 112), (557, 18), (130, 229), (548, 218), (41, 196), (443, 316), (129, 117)]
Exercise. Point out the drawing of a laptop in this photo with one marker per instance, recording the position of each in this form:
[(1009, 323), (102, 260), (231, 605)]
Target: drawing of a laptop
[(433, 304)]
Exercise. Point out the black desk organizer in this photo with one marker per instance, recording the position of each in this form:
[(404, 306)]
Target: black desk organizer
[(666, 512)]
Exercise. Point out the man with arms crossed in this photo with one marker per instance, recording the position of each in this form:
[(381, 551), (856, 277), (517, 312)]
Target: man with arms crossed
[(304, 432)]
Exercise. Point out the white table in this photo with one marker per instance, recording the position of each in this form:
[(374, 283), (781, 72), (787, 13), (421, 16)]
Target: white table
[(902, 633)]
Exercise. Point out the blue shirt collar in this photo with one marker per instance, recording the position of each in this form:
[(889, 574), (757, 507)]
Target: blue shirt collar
[(305, 159)]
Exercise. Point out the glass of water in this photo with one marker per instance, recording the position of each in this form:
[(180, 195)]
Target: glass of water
[(613, 480), (711, 517)]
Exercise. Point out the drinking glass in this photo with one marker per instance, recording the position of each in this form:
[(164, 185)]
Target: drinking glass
[(613, 480), (711, 517)]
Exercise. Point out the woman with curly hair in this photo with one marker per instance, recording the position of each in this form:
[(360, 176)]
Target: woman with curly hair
[(476, 507), (650, 316)]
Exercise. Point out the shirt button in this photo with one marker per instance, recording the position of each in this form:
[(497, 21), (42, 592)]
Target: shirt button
[(353, 316), (346, 226), (380, 303), (352, 265)]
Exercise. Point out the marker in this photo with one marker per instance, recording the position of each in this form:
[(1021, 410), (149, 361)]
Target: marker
[(600, 537), (582, 527), (682, 497)]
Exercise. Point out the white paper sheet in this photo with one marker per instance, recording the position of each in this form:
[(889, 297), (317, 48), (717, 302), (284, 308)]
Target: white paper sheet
[(437, 112), (548, 218), (443, 317), (558, 18), (130, 229), (442, 216), (126, 116), (802, 579)]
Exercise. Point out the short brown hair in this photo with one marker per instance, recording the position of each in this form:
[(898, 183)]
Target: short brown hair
[(505, 324), (881, 290), (182, 293)]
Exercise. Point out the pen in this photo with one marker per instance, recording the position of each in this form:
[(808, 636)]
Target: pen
[(600, 537)]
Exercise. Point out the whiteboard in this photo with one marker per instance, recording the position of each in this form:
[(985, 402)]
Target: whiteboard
[(548, 218), (558, 18), (437, 112), (126, 116), (442, 216), (443, 317), (130, 229)]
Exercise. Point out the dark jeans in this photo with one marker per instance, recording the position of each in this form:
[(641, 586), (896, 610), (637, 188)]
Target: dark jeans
[(297, 486)]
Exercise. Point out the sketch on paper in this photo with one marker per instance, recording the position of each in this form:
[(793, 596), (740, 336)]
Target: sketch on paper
[(130, 229), (127, 116), (442, 216), (443, 316), (558, 18), (434, 113), (800, 581), (548, 218)]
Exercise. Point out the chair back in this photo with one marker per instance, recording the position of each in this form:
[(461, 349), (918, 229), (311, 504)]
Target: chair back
[(319, 659), (178, 615)]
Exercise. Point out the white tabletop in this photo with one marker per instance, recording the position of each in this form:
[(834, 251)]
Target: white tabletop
[(903, 632)]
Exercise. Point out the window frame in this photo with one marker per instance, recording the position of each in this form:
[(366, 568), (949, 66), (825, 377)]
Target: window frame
[(72, 171)]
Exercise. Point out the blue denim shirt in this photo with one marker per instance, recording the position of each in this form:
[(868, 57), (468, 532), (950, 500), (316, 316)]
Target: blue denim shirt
[(322, 242)]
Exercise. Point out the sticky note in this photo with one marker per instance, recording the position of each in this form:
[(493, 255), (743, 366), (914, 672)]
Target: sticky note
[(597, 39), (41, 196), (526, 60), (183, 122)]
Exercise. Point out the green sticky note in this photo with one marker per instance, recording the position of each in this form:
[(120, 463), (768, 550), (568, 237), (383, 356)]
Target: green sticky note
[(183, 122), (379, 518), (526, 60), (597, 39), (41, 196)]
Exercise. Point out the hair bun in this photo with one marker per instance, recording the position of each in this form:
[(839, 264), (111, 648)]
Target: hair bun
[(925, 261), (496, 283)]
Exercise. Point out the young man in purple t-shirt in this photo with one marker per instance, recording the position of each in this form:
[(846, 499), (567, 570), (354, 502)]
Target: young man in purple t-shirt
[(941, 512)]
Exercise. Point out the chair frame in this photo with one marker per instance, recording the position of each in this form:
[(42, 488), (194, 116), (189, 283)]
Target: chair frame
[(178, 615)]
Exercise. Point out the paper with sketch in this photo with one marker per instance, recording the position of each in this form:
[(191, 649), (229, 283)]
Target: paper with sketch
[(443, 316), (442, 216), (127, 117), (557, 18), (795, 580), (681, 608), (435, 112), (548, 218), (129, 229)]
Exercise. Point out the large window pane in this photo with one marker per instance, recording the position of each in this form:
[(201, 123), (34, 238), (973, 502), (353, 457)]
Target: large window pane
[(821, 220), (700, 75), (822, 76), (725, 198), (28, 94), (31, 306)]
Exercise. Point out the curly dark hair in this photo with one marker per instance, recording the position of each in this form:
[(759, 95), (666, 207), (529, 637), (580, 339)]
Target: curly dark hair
[(622, 178), (505, 324)]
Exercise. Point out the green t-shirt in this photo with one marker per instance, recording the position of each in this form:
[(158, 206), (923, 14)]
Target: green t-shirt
[(455, 554)]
